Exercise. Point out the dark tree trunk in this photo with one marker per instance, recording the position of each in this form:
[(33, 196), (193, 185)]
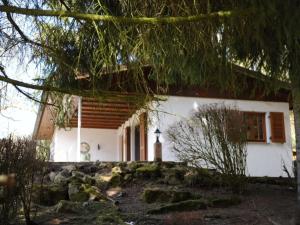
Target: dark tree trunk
[(296, 109)]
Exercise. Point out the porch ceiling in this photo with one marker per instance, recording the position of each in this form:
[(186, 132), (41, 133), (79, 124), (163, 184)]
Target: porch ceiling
[(109, 114)]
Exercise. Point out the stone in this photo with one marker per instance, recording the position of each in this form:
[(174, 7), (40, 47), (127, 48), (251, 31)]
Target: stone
[(60, 179), (173, 176), (165, 196), (69, 168), (67, 207), (189, 205), (49, 194), (202, 178), (52, 176), (94, 193), (116, 180), (116, 170), (128, 177), (76, 192), (112, 192), (225, 202), (148, 171), (88, 180), (78, 174)]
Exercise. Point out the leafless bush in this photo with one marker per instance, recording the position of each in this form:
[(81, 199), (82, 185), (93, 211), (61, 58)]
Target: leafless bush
[(214, 137), (18, 157)]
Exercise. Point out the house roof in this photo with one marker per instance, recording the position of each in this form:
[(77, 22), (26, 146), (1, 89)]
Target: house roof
[(111, 113)]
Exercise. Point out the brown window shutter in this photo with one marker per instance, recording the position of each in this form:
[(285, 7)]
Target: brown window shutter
[(277, 127), (143, 137)]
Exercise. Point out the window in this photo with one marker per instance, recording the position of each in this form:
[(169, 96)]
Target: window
[(256, 126)]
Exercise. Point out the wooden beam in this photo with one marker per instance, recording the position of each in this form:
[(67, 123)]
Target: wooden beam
[(109, 104), (101, 116), (97, 127), (107, 113), (98, 119), (98, 109)]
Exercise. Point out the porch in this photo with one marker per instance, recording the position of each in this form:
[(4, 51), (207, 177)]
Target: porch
[(110, 130)]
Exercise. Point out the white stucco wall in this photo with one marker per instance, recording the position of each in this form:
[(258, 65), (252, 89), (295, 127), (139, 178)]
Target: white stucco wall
[(64, 144), (264, 159)]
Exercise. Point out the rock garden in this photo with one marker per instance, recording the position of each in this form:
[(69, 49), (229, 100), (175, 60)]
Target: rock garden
[(154, 193)]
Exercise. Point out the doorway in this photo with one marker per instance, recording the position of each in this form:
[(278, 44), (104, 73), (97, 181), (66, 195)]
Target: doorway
[(137, 143)]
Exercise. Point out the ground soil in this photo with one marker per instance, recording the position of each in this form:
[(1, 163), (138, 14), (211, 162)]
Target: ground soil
[(262, 204)]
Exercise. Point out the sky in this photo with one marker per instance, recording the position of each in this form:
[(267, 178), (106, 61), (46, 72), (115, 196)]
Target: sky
[(18, 117)]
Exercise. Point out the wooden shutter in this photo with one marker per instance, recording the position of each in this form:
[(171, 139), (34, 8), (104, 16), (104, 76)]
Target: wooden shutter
[(143, 137), (277, 127)]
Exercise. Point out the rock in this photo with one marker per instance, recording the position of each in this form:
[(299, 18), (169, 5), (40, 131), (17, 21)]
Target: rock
[(112, 192), (173, 176), (67, 207), (78, 174), (116, 170), (52, 176), (202, 178), (133, 165), (94, 193), (76, 192), (189, 205), (225, 202), (110, 218), (165, 196), (49, 194), (101, 181), (148, 171), (116, 180), (128, 177), (69, 168), (60, 178), (88, 180)]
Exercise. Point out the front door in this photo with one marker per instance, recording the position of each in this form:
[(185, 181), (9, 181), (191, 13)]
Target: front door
[(137, 143), (128, 144)]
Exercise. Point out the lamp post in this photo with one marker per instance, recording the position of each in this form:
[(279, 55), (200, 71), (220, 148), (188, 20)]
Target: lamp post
[(157, 147)]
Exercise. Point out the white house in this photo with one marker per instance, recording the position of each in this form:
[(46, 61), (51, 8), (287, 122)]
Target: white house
[(119, 131)]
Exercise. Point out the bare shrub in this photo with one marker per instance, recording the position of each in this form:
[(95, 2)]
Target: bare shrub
[(215, 138), (18, 158)]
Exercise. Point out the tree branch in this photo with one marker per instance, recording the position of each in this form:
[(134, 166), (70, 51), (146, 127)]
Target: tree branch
[(126, 20), (84, 93)]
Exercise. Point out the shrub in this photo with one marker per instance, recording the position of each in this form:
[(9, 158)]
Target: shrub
[(18, 158), (214, 137)]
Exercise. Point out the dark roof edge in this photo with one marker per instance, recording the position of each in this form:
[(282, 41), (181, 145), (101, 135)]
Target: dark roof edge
[(39, 116)]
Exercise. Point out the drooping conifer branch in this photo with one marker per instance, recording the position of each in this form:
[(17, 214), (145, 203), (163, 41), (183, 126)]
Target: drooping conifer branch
[(123, 20)]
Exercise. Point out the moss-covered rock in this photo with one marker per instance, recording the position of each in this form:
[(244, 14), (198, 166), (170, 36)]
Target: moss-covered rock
[(173, 176), (49, 194), (115, 180), (188, 205), (148, 171), (77, 193), (117, 170), (163, 196), (110, 219), (94, 193), (225, 202), (202, 178), (67, 207)]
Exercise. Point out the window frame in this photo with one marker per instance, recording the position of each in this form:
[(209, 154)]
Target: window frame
[(264, 127)]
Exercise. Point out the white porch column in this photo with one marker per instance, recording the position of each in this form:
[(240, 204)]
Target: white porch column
[(79, 129)]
